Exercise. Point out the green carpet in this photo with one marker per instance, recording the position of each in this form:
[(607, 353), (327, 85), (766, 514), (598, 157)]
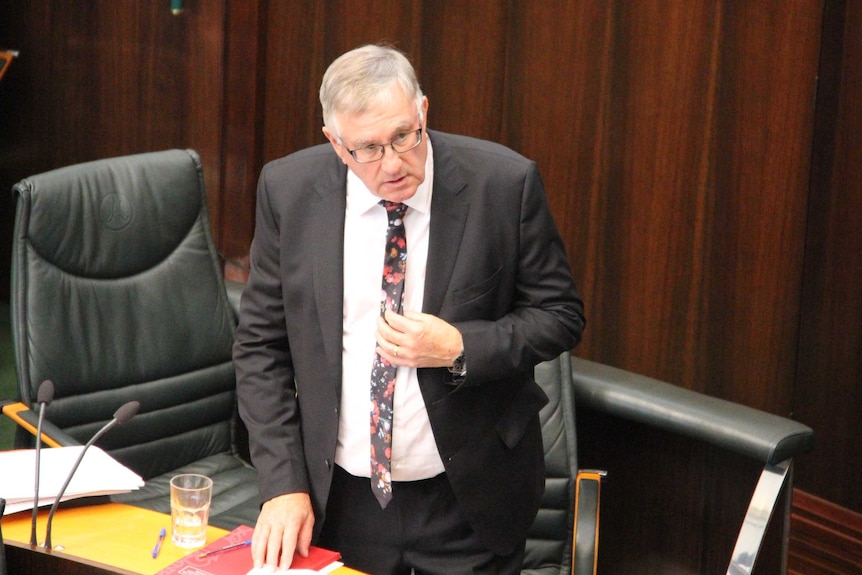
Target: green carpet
[(7, 374)]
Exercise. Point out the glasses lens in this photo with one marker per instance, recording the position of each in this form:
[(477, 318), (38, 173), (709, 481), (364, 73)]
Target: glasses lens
[(407, 141), (403, 143), (368, 154)]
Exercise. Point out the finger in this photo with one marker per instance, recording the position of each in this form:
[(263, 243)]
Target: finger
[(259, 544), (392, 328), (385, 330), (394, 354), (384, 344), (392, 344), (303, 541), (288, 546), (397, 321), (277, 546)]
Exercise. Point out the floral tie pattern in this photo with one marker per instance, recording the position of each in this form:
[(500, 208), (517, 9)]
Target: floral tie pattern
[(383, 372)]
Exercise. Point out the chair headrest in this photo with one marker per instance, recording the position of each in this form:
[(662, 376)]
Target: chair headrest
[(87, 216)]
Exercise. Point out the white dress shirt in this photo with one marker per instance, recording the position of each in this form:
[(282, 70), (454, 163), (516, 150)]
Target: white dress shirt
[(414, 452)]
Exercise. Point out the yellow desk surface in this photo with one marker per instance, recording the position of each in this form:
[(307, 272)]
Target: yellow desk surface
[(112, 534)]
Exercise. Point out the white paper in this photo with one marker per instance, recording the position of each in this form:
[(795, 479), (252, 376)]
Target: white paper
[(98, 474)]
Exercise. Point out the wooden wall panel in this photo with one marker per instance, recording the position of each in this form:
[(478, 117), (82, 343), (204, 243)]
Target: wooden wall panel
[(462, 66), (101, 78), (667, 185), (295, 61), (829, 384), (761, 160), (241, 126), (825, 539), (302, 39), (663, 133), (557, 111), (119, 77)]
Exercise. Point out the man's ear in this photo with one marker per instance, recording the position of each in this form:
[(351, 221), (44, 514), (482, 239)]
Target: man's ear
[(339, 149)]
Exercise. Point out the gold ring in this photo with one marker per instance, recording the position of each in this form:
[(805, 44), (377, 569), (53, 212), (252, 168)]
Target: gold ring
[(395, 350)]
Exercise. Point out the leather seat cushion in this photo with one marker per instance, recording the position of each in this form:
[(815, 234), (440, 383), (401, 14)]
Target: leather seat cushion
[(235, 496)]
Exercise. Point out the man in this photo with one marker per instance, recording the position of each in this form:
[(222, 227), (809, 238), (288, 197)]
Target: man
[(486, 294)]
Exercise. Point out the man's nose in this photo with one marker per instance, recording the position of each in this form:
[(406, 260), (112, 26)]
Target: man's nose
[(391, 159)]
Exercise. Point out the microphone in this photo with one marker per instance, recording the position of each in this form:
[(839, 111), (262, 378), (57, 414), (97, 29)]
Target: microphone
[(44, 396), (126, 412)]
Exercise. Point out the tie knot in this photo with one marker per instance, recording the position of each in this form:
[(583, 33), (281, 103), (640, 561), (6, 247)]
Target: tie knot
[(394, 210)]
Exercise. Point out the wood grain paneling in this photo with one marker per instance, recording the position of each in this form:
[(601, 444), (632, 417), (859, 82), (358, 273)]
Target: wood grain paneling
[(242, 123), (302, 39), (825, 539), (680, 275), (557, 112), (462, 66), (829, 384), (106, 78), (761, 160)]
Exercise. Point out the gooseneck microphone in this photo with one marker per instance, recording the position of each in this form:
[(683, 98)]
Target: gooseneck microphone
[(126, 412), (44, 396)]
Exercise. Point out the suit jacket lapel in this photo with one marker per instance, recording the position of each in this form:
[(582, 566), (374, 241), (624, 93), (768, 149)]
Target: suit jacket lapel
[(448, 217), (327, 221)]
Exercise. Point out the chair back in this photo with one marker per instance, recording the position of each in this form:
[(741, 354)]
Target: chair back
[(117, 295), (549, 540)]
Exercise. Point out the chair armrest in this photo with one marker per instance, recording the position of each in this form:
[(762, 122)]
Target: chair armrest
[(763, 436), (585, 537), (28, 419)]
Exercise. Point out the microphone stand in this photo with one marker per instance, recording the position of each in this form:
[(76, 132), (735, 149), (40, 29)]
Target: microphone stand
[(44, 396), (122, 415)]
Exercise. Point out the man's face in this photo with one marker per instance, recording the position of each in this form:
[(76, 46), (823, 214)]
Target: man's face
[(395, 177)]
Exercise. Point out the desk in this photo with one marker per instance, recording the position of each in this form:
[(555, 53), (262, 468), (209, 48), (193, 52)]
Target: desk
[(106, 539)]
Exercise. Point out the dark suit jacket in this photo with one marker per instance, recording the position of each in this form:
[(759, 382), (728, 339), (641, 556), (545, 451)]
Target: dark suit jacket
[(496, 270)]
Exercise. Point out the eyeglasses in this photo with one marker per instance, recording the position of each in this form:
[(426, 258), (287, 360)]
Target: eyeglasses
[(403, 142)]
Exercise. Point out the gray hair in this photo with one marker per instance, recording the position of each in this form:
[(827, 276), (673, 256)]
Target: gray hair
[(358, 80)]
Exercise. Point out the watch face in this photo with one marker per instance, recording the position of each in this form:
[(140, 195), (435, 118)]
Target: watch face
[(458, 366)]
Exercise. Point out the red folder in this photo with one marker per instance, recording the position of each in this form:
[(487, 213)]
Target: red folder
[(238, 561)]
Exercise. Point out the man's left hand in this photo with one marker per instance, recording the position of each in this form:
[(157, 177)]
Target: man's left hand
[(417, 340)]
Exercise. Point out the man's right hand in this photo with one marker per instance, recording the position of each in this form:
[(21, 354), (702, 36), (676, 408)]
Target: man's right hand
[(285, 525)]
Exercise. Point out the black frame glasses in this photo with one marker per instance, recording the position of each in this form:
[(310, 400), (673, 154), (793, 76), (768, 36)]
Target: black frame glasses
[(375, 152)]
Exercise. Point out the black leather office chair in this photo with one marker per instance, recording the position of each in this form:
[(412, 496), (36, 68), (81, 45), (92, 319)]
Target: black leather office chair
[(570, 509), (570, 505), (117, 295)]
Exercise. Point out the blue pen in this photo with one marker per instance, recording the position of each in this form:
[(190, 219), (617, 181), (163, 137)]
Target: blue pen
[(159, 543), (230, 547)]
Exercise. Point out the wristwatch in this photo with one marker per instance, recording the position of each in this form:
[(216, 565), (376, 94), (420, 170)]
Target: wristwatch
[(459, 366)]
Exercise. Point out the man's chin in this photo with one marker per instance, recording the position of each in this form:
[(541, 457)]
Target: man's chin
[(397, 191)]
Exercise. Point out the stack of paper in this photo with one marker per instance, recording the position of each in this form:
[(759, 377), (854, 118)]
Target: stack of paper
[(98, 474)]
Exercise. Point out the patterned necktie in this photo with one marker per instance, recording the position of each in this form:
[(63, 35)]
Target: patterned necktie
[(383, 372)]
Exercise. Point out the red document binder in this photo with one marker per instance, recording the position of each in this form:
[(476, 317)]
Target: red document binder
[(238, 561)]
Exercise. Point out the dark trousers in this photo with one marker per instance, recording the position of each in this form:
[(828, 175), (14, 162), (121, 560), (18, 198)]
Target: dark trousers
[(420, 531)]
